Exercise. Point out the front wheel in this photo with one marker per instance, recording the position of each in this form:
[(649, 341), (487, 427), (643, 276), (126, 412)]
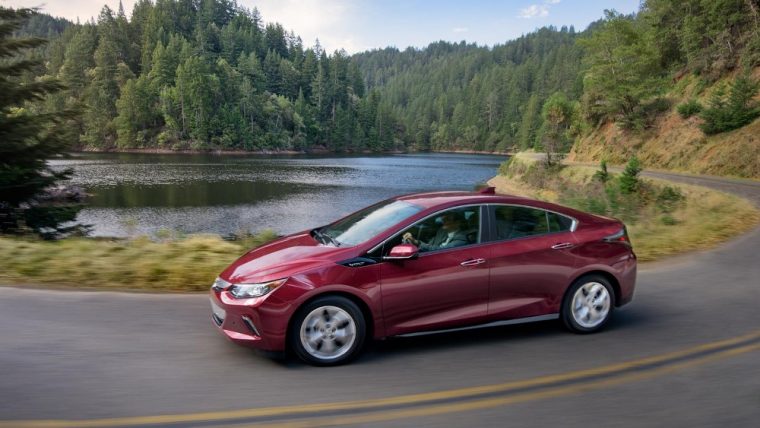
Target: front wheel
[(328, 331), (588, 304)]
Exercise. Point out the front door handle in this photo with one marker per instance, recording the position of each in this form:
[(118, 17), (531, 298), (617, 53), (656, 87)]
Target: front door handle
[(562, 246), (473, 262)]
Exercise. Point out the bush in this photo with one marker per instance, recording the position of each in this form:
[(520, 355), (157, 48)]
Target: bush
[(602, 175), (731, 109), (644, 115), (539, 175), (669, 198), (629, 179), (689, 108)]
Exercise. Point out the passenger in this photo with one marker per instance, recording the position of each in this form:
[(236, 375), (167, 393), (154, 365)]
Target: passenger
[(448, 236)]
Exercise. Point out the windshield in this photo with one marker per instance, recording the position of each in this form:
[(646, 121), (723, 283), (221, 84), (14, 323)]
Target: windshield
[(367, 223)]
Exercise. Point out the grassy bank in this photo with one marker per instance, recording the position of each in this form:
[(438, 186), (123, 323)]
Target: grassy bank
[(187, 264), (663, 218)]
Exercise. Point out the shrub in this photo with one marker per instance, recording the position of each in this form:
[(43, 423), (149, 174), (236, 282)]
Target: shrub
[(669, 198), (539, 175), (731, 109), (689, 108), (602, 175), (629, 179), (668, 220)]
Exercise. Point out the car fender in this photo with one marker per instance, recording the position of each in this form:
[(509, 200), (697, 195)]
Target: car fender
[(369, 297)]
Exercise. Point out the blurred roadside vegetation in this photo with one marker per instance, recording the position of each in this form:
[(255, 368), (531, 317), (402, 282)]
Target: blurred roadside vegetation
[(663, 218), (168, 263)]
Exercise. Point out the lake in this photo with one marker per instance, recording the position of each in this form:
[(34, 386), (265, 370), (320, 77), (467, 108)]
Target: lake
[(145, 193)]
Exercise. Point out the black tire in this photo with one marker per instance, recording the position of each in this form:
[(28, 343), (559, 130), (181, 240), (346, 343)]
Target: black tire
[(314, 321), (585, 309)]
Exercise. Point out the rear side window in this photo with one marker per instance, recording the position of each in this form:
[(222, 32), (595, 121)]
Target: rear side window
[(559, 223), (516, 222)]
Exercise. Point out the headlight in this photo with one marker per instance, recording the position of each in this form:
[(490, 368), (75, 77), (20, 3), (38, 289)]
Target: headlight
[(242, 291), (220, 284)]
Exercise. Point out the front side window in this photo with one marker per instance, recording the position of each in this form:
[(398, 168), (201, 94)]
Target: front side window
[(451, 228), (367, 223)]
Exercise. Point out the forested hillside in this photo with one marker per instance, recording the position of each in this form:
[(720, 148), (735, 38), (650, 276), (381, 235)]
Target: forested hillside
[(186, 74), (676, 85), (208, 74), (452, 96)]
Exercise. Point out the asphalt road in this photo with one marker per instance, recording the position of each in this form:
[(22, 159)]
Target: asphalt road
[(685, 352)]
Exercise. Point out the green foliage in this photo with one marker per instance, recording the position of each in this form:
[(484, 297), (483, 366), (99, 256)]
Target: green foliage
[(623, 70), (554, 139), (731, 108), (211, 75), (629, 179), (602, 175), (29, 137), (689, 108), (708, 37), (451, 96), (669, 198)]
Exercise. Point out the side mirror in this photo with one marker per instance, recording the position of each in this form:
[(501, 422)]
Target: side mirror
[(403, 252)]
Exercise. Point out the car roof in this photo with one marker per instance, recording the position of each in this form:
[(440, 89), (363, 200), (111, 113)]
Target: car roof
[(442, 199)]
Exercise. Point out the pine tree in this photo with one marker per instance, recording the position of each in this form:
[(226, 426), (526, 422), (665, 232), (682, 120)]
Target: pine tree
[(28, 138), (629, 179)]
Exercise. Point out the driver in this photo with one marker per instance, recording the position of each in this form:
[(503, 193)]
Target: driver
[(448, 236)]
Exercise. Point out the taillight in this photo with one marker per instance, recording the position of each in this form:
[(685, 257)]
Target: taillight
[(621, 237)]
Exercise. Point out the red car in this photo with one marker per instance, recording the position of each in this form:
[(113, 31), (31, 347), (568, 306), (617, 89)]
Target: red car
[(422, 263)]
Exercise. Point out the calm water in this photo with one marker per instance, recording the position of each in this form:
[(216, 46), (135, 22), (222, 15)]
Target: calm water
[(144, 193)]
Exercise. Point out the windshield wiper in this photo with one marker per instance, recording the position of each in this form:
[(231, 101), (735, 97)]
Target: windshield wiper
[(325, 238)]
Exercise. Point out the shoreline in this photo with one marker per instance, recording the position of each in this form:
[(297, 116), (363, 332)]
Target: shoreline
[(161, 151)]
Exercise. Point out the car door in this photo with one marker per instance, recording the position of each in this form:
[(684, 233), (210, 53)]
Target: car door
[(441, 288), (531, 261)]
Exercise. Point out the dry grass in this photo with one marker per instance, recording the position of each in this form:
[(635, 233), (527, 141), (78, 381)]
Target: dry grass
[(188, 264), (705, 218), (677, 144)]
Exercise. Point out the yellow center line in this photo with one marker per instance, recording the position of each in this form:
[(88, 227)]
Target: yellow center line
[(462, 393), (439, 409)]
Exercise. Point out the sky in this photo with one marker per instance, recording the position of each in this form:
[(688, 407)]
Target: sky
[(360, 25)]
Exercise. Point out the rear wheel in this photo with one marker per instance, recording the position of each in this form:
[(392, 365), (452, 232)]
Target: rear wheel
[(328, 331), (588, 304)]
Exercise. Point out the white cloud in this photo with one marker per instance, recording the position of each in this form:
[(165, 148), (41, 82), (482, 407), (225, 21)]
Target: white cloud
[(552, 1), (312, 19), (534, 11), (460, 29)]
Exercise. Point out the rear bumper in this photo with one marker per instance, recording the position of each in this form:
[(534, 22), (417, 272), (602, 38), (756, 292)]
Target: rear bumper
[(240, 321), (627, 281)]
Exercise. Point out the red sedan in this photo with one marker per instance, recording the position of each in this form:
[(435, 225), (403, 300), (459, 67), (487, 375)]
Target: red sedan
[(423, 263)]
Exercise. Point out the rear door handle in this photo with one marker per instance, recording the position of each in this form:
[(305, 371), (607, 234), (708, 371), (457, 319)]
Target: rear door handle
[(562, 246), (473, 262)]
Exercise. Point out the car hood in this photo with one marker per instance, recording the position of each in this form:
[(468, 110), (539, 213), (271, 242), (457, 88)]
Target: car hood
[(282, 258)]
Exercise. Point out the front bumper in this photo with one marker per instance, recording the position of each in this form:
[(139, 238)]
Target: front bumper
[(241, 321)]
